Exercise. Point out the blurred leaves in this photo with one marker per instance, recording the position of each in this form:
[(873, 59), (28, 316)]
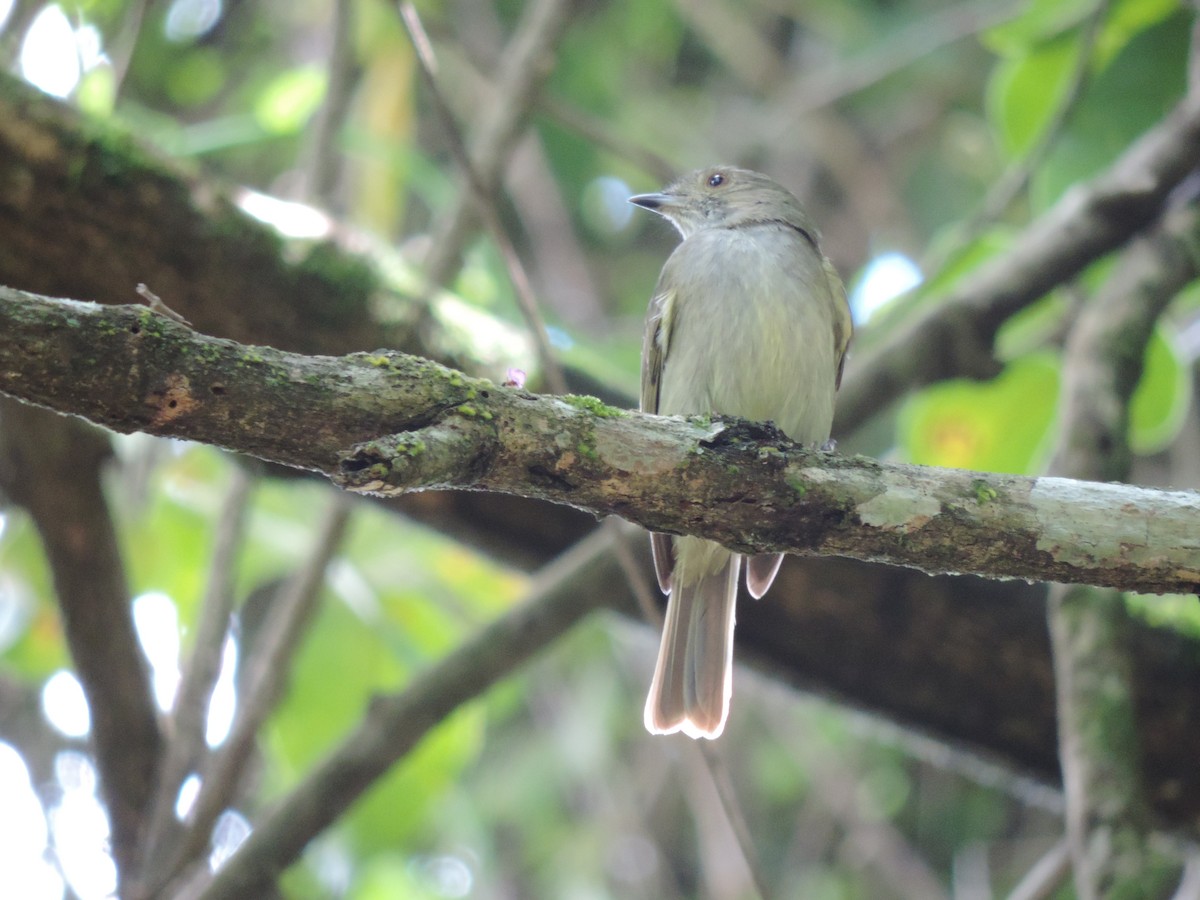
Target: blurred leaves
[(548, 787), (998, 426)]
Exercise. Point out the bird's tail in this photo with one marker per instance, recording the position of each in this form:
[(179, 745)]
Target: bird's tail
[(694, 676)]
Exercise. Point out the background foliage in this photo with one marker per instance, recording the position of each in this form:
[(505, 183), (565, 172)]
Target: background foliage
[(921, 134)]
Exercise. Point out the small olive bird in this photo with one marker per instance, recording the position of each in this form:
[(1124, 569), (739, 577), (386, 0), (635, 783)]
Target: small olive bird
[(748, 319)]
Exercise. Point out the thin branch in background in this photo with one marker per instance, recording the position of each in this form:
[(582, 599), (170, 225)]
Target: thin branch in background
[(322, 163), (732, 807), (1046, 875), (635, 574), (20, 17), (1109, 835), (186, 737), (268, 666), (562, 593), (954, 337), (730, 34), (484, 203), (829, 85), (526, 62), (53, 466), (600, 133), (872, 842), (1189, 885), (1016, 178), (119, 48), (1194, 50)]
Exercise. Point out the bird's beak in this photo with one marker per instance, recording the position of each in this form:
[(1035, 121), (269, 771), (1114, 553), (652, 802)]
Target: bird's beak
[(653, 202)]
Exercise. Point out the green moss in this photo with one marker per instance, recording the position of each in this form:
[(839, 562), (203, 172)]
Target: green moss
[(796, 483), (984, 492), (467, 410), (594, 406)]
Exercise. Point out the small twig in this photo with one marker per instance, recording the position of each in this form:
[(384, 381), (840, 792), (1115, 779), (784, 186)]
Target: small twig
[(824, 87), (119, 47), (731, 36), (600, 133), (732, 807), (1044, 878), (267, 669), (484, 202), (321, 163), (635, 574), (526, 61), (186, 743), (156, 303)]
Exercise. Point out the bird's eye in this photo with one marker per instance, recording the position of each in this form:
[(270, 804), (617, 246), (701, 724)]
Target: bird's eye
[(716, 179)]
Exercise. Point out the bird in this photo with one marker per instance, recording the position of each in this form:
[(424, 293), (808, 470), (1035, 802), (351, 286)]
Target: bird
[(749, 319)]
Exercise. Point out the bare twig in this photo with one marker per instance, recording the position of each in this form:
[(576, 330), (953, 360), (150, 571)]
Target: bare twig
[(601, 133), (267, 669), (809, 93), (156, 303), (562, 594), (322, 164), (186, 741), (731, 806), (1044, 878), (730, 34), (482, 194), (527, 61)]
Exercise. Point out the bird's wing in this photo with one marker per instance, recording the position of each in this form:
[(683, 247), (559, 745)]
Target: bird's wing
[(654, 346), (654, 354), (843, 324)]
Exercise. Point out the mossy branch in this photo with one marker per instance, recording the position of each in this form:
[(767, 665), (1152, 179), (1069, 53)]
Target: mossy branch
[(389, 423)]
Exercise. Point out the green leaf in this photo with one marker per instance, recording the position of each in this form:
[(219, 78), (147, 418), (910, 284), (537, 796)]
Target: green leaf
[(1025, 91), (291, 98), (997, 426), (1129, 96), (196, 78), (1125, 21), (1040, 20), (1160, 401), (1030, 328)]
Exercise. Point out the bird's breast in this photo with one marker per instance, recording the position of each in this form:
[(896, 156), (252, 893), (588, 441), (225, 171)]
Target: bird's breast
[(751, 331)]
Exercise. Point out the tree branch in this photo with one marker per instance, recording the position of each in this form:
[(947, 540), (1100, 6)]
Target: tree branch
[(389, 423), (955, 336), (186, 740), (52, 466), (528, 61), (1108, 824)]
